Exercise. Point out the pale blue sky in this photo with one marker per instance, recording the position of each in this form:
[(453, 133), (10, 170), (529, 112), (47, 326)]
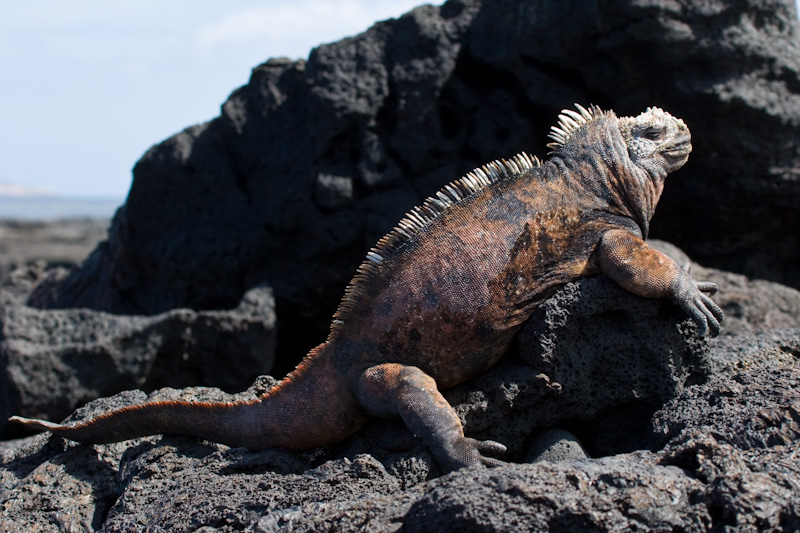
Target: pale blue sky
[(87, 86)]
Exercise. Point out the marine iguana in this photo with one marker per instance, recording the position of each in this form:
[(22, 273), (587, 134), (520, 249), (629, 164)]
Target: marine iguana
[(439, 298)]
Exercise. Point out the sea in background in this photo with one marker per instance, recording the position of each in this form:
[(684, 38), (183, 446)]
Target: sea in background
[(49, 208)]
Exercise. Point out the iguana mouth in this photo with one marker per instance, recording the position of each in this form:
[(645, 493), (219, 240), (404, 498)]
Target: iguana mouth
[(680, 149)]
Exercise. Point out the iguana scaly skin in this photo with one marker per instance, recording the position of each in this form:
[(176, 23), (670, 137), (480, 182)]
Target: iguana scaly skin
[(438, 300)]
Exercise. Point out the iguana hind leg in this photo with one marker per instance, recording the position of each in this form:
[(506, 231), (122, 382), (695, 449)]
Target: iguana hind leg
[(393, 389)]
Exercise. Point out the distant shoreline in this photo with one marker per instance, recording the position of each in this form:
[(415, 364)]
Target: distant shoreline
[(53, 208), (60, 242)]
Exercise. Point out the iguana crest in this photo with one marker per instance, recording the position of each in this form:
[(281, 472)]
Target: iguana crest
[(570, 123)]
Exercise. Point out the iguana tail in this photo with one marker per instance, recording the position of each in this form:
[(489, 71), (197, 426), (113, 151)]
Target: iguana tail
[(218, 422), (310, 407)]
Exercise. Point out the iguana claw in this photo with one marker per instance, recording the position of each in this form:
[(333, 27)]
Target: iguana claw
[(703, 310), (465, 452)]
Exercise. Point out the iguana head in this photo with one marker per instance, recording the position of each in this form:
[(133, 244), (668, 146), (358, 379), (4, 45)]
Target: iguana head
[(624, 160), (656, 139)]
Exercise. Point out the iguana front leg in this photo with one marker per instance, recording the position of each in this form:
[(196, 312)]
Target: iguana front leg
[(628, 260), (393, 389)]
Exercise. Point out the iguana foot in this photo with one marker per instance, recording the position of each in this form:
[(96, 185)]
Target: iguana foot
[(466, 452), (689, 294)]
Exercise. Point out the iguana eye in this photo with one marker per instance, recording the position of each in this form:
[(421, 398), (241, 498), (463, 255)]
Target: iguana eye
[(653, 134)]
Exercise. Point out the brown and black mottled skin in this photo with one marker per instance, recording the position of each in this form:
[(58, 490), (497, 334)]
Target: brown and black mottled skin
[(444, 305)]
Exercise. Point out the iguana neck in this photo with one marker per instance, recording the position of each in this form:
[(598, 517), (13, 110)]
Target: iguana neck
[(598, 163)]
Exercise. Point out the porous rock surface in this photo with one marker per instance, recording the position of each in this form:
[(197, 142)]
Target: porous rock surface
[(750, 305)]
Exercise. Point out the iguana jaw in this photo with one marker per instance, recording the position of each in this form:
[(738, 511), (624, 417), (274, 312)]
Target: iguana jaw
[(676, 156)]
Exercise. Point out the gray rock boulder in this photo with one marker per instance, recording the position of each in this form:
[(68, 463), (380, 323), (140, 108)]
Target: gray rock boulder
[(752, 400), (555, 445), (590, 354), (750, 305)]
